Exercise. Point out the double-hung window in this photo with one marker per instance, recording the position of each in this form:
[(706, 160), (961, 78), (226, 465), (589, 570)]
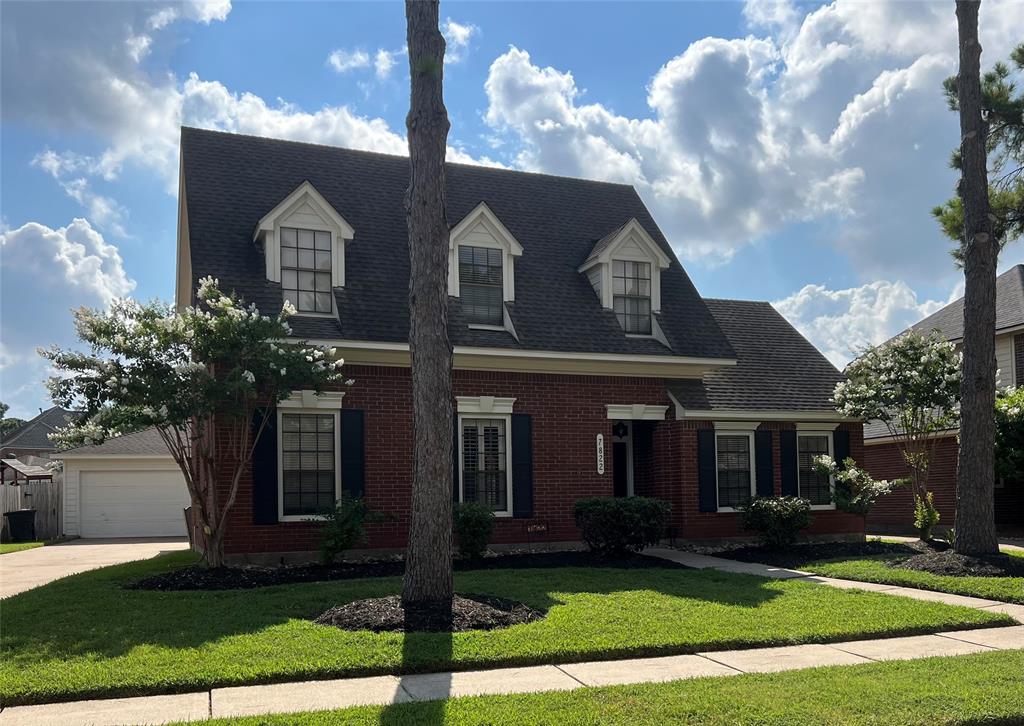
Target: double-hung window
[(815, 487), (306, 269), (485, 463), (480, 285), (631, 295), (734, 460), (309, 463)]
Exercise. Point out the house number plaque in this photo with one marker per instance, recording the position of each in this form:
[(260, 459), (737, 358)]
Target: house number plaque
[(600, 453)]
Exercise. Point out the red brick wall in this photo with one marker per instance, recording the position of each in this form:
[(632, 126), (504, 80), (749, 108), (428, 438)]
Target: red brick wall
[(567, 413), (896, 510)]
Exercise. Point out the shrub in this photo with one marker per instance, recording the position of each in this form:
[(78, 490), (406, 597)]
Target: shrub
[(616, 526), (777, 520), (926, 516), (343, 527), (474, 525), (856, 490)]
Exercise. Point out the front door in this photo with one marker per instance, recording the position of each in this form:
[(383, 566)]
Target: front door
[(622, 459)]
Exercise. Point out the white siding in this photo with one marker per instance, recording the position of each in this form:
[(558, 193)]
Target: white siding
[(1004, 361)]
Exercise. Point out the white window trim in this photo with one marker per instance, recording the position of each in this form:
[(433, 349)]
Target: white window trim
[(731, 429), (635, 411), (631, 231), (803, 430), (483, 416), (484, 406), (319, 411), (501, 239)]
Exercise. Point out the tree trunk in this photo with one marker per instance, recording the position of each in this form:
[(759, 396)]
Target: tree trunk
[(428, 566), (975, 476)]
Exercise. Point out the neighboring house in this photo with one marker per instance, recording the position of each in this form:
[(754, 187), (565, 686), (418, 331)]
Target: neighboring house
[(32, 437), (127, 486), (586, 363), (896, 511)]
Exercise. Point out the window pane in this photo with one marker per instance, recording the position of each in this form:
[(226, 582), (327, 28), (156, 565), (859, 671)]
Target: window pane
[(323, 260), (288, 279), (323, 240), (287, 237), (323, 302), (323, 282), (306, 259), (482, 303), (288, 257), (484, 476), (734, 474), (306, 281), (631, 288), (306, 239), (291, 297), (812, 485), (306, 302), (308, 473)]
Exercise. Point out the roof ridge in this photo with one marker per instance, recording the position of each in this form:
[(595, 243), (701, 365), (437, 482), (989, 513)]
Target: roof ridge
[(737, 300), (25, 426)]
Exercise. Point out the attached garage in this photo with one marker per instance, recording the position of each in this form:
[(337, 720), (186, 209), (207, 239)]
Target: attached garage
[(125, 487)]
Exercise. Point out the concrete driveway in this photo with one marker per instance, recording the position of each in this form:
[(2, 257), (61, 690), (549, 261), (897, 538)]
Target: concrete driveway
[(20, 571)]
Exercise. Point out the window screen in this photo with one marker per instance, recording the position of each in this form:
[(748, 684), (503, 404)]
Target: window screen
[(813, 486), (307, 462), (480, 284), (306, 269), (631, 295), (484, 475), (734, 471)]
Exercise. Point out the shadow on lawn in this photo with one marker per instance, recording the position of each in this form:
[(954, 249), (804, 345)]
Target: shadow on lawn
[(90, 614)]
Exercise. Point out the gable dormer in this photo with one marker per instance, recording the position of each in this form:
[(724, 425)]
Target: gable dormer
[(481, 268), (624, 268), (303, 240)]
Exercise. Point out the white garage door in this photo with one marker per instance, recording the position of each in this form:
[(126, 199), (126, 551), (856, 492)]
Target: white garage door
[(132, 503)]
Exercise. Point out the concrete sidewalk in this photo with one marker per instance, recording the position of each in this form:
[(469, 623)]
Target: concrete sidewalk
[(386, 690)]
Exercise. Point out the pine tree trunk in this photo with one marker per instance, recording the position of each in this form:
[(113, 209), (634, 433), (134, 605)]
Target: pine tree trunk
[(975, 476), (428, 568)]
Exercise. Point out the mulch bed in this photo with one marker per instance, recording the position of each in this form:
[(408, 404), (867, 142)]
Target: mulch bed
[(245, 577), (468, 612), (957, 565)]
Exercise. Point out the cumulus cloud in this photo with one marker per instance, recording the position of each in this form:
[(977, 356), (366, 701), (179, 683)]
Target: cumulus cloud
[(457, 38), (343, 61), (842, 323), (383, 63)]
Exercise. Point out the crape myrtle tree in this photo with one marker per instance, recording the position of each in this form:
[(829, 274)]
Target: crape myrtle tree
[(181, 372), (912, 385)]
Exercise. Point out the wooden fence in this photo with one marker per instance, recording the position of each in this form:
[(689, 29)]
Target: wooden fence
[(43, 496)]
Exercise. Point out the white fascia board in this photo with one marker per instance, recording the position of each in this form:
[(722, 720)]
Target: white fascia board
[(739, 415), (312, 399), (306, 188), (484, 404), (491, 219), (888, 439), (635, 412), (631, 228)]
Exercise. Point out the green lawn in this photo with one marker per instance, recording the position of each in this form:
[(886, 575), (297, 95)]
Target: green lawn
[(874, 569), (7, 548), (981, 688), (85, 636)]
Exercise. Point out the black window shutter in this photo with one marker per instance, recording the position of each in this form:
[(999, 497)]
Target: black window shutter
[(706, 470), (352, 453), (264, 470), (455, 457), (787, 454), (841, 445), (522, 465), (765, 465)]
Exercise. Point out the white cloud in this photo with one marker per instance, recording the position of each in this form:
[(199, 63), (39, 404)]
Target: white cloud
[(68, 170), (343, 61), (842, 323), (457, 38), (383, 62)]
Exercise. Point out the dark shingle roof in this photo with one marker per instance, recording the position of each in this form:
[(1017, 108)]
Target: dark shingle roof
[(777, 368), (146, 442), (232, 181), (34, 433), (1009, 308)]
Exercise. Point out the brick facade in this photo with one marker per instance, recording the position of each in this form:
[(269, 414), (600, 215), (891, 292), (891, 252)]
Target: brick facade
[(895, 511), (567, 414)]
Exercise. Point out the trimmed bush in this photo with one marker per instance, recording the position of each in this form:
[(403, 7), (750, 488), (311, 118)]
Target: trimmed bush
[(343, 528), (778, 521), (474, 525), (617, 526)]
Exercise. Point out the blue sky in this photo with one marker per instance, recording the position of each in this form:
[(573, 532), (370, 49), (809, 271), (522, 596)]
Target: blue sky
[(790, 152)]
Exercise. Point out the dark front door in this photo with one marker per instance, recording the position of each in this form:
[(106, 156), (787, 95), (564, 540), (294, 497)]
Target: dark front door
[(622, 452)]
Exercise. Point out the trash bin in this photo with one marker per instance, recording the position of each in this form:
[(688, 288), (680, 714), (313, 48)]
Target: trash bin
[(21, 523)]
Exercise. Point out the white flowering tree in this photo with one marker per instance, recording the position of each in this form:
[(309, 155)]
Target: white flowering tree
[(912, 385), (151, 366)]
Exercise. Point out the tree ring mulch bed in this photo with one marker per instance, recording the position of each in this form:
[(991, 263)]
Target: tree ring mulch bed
[(246, 577), (953, 564), (468, 612)]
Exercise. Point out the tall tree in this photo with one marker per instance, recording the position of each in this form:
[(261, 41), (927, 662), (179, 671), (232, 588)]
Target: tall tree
[(7, 424), (428, 564), (975, 476)]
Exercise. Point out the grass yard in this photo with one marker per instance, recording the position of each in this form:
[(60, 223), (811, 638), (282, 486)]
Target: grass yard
[(874, 569), (86, 636), (7, 548), (981, 688)]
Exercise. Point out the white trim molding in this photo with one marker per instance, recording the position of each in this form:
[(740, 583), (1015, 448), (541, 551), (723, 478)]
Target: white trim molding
[(738, 415), (735, 425), (805, 431), (817, 426), (319, 408), (482, 228), (630, 243), (635, 411), (506, 419), (721, 429), (484, 405), (313, 400)]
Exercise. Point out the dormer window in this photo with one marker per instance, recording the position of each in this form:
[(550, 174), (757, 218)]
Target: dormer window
[(480, 284), (631, 290), (306, 269)]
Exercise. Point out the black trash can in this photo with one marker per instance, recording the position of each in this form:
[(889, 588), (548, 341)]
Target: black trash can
[(21, 523)]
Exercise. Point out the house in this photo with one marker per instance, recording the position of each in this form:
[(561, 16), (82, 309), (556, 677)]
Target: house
[(127, 486), (586, 363), (32, 437), (895, 512)]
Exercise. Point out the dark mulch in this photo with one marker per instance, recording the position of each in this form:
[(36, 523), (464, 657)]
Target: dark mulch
[(468, 612), (240, 578), (797, 555), (957, 565)]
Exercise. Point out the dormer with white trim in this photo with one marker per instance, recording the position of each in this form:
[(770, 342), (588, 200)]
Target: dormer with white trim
[(303, 240), (481, 268), (624, 268)]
